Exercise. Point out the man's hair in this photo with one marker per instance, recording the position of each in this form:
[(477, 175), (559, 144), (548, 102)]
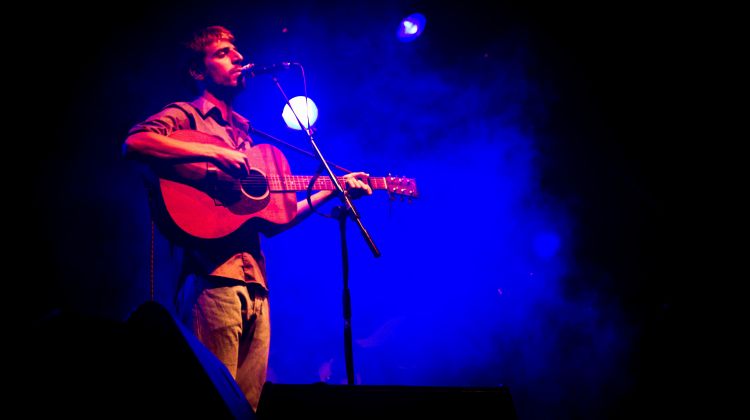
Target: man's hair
[(201, 39)]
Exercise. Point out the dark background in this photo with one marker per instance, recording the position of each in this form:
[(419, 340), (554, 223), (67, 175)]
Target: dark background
[(609, 149)]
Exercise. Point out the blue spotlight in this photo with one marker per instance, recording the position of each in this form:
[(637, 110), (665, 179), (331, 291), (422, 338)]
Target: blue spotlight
[(411, 27), (307, 113)]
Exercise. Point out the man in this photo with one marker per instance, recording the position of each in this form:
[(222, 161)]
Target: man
[(223, 293)]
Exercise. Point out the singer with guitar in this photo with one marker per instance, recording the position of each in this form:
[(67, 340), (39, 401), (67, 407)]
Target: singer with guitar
[(213, 184)]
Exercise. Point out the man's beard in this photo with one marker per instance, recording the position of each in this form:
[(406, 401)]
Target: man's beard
[(228, 93)]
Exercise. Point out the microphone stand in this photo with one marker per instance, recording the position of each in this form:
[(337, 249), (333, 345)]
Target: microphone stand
[(342, 212)]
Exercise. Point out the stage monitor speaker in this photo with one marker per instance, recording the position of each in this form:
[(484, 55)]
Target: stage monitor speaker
[(180, 372), (150, 366), (325, 401)]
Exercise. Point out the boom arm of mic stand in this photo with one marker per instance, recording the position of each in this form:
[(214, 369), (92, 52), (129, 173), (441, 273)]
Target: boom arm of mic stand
[(349, 206)]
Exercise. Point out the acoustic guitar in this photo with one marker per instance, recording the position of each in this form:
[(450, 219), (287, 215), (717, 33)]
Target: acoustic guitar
[(205, 202)]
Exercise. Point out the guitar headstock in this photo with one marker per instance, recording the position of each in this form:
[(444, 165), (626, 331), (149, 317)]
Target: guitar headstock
[(402, 187)]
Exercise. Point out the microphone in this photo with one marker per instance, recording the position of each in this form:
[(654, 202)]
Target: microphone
[(255, 70)]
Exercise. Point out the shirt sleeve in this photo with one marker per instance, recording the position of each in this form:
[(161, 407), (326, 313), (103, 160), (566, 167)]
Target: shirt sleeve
[(170, 119)]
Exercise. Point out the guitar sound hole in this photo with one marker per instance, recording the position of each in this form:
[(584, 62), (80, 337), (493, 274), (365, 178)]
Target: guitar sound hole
[(255, 185)]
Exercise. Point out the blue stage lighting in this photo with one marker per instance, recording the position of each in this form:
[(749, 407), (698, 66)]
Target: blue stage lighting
[(411, 27)]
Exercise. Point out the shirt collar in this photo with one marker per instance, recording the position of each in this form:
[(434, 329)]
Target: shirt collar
[(207, 109)]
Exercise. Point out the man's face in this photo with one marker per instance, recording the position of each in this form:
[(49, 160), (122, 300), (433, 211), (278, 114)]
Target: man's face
[(223, 64)]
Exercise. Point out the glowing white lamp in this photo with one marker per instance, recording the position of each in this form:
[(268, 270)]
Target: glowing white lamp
[(306, 110)]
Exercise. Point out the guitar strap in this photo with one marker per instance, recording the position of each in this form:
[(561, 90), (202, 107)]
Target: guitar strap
[(151, 262), (277, 140)]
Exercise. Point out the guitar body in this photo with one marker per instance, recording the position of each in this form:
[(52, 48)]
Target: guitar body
[(206, 203)]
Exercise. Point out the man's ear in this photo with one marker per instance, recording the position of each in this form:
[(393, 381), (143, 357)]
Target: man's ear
[(196, 74)]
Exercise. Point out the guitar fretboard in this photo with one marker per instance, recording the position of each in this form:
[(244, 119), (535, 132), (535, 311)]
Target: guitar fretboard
[(256, 184), (292, 183), (300, 182)]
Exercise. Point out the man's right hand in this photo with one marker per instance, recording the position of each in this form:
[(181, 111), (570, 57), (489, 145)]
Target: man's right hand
[(232, 162)]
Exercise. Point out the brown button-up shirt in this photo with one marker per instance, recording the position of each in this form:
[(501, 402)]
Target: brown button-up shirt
[(238, 258)]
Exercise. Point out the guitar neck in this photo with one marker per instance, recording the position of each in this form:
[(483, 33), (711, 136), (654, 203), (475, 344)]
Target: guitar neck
[(291, 183)]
